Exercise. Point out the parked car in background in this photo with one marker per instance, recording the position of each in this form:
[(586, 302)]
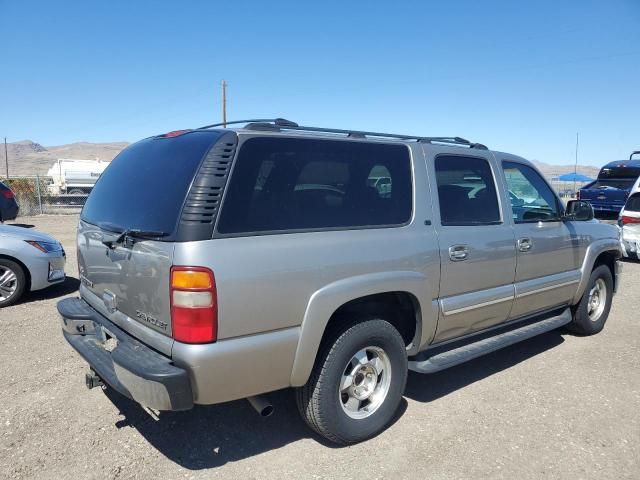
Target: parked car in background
[(8, 205), (629, 221), (609, 192), (273, 259), (29, 261)]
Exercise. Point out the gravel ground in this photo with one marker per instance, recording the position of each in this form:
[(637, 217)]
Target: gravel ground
[(557, 406)]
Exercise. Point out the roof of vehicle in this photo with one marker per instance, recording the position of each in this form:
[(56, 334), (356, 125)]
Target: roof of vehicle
[(623, 163), (280, 125)]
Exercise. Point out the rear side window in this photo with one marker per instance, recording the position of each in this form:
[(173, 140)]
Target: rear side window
[(630, 173), (466, 191), (633, 203), (288, 184)]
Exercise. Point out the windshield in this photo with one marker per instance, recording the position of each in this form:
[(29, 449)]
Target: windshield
[(145, 186)]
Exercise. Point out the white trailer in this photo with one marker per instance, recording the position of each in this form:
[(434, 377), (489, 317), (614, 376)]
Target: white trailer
[(74, 177)]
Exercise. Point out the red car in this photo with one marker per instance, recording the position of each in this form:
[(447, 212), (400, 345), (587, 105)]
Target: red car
[(8, 205)]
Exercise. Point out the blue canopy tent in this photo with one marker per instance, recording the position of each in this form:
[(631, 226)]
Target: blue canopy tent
[(574, 177)]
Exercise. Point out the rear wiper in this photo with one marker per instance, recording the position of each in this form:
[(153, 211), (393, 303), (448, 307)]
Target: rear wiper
[(134, 233)]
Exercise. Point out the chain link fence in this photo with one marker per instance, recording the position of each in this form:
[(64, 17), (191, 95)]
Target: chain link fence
[(36, 196)]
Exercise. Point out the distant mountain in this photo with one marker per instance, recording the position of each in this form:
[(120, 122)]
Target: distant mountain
[(551, 171), (30, 158)]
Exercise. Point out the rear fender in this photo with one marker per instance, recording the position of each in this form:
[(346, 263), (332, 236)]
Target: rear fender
[(324, 302)]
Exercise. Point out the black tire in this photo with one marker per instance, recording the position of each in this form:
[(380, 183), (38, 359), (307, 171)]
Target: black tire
[(320, 402), (20, 282), (582, 324)]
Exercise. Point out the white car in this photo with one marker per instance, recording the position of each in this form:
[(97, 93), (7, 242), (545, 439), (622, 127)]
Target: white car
[(29, 261), (629, 221)]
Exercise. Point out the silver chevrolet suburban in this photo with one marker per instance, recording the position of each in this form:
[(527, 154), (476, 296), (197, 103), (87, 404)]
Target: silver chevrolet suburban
[(219, 264)]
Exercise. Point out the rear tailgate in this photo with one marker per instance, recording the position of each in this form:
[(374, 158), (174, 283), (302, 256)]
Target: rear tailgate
[(607, 195), (133, 281), (152, 195)]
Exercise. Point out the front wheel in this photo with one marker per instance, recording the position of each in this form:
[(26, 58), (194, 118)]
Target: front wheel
[(357, 382), (590, 315), (12, 282)]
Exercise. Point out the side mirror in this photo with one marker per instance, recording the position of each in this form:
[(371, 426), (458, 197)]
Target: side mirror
[(579, 210)]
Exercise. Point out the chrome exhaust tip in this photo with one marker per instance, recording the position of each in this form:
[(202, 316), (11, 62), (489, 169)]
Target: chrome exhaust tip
[(92, 380), (261, 405)]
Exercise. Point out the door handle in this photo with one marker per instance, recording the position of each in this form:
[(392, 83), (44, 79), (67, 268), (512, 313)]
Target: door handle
[(525, 244), (457, 253)]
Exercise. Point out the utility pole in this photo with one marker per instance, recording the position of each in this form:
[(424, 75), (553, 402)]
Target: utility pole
[(575, 167), (6, 157), (224, 103)]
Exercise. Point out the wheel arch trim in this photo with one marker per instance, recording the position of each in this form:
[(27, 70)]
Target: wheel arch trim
[(324, 302), (594, 250)]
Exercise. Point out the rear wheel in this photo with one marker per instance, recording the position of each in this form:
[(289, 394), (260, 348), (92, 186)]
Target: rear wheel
[(12, 282), (357, 382), (590, 315)]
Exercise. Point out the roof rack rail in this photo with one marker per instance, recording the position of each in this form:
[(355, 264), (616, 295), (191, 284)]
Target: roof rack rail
[(278, 124)]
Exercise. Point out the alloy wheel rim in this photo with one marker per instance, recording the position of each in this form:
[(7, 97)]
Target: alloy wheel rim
[(365, 382), (8, 283), (597, 300)]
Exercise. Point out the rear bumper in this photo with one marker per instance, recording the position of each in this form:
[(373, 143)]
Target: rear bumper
[(630, 242), (46, 270), (128, 366)]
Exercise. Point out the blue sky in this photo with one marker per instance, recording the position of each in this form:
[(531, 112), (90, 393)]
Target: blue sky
[(518, 76)]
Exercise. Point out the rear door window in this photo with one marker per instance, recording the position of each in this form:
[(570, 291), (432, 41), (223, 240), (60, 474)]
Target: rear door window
[(466, 190), (290, 184)]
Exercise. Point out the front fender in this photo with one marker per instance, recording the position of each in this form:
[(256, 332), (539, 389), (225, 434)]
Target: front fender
[(593, 251), (325, 301)]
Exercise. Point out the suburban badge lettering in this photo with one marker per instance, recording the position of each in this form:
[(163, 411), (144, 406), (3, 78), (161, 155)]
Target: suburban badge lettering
[(145, 317)]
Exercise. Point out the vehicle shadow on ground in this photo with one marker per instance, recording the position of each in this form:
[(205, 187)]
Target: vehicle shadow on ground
[(427, 388), (70, 285), (208, 437), (211, 436)]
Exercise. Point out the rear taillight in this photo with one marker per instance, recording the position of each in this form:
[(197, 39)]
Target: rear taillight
[(194, 305), (7, 194), (626, 220)]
